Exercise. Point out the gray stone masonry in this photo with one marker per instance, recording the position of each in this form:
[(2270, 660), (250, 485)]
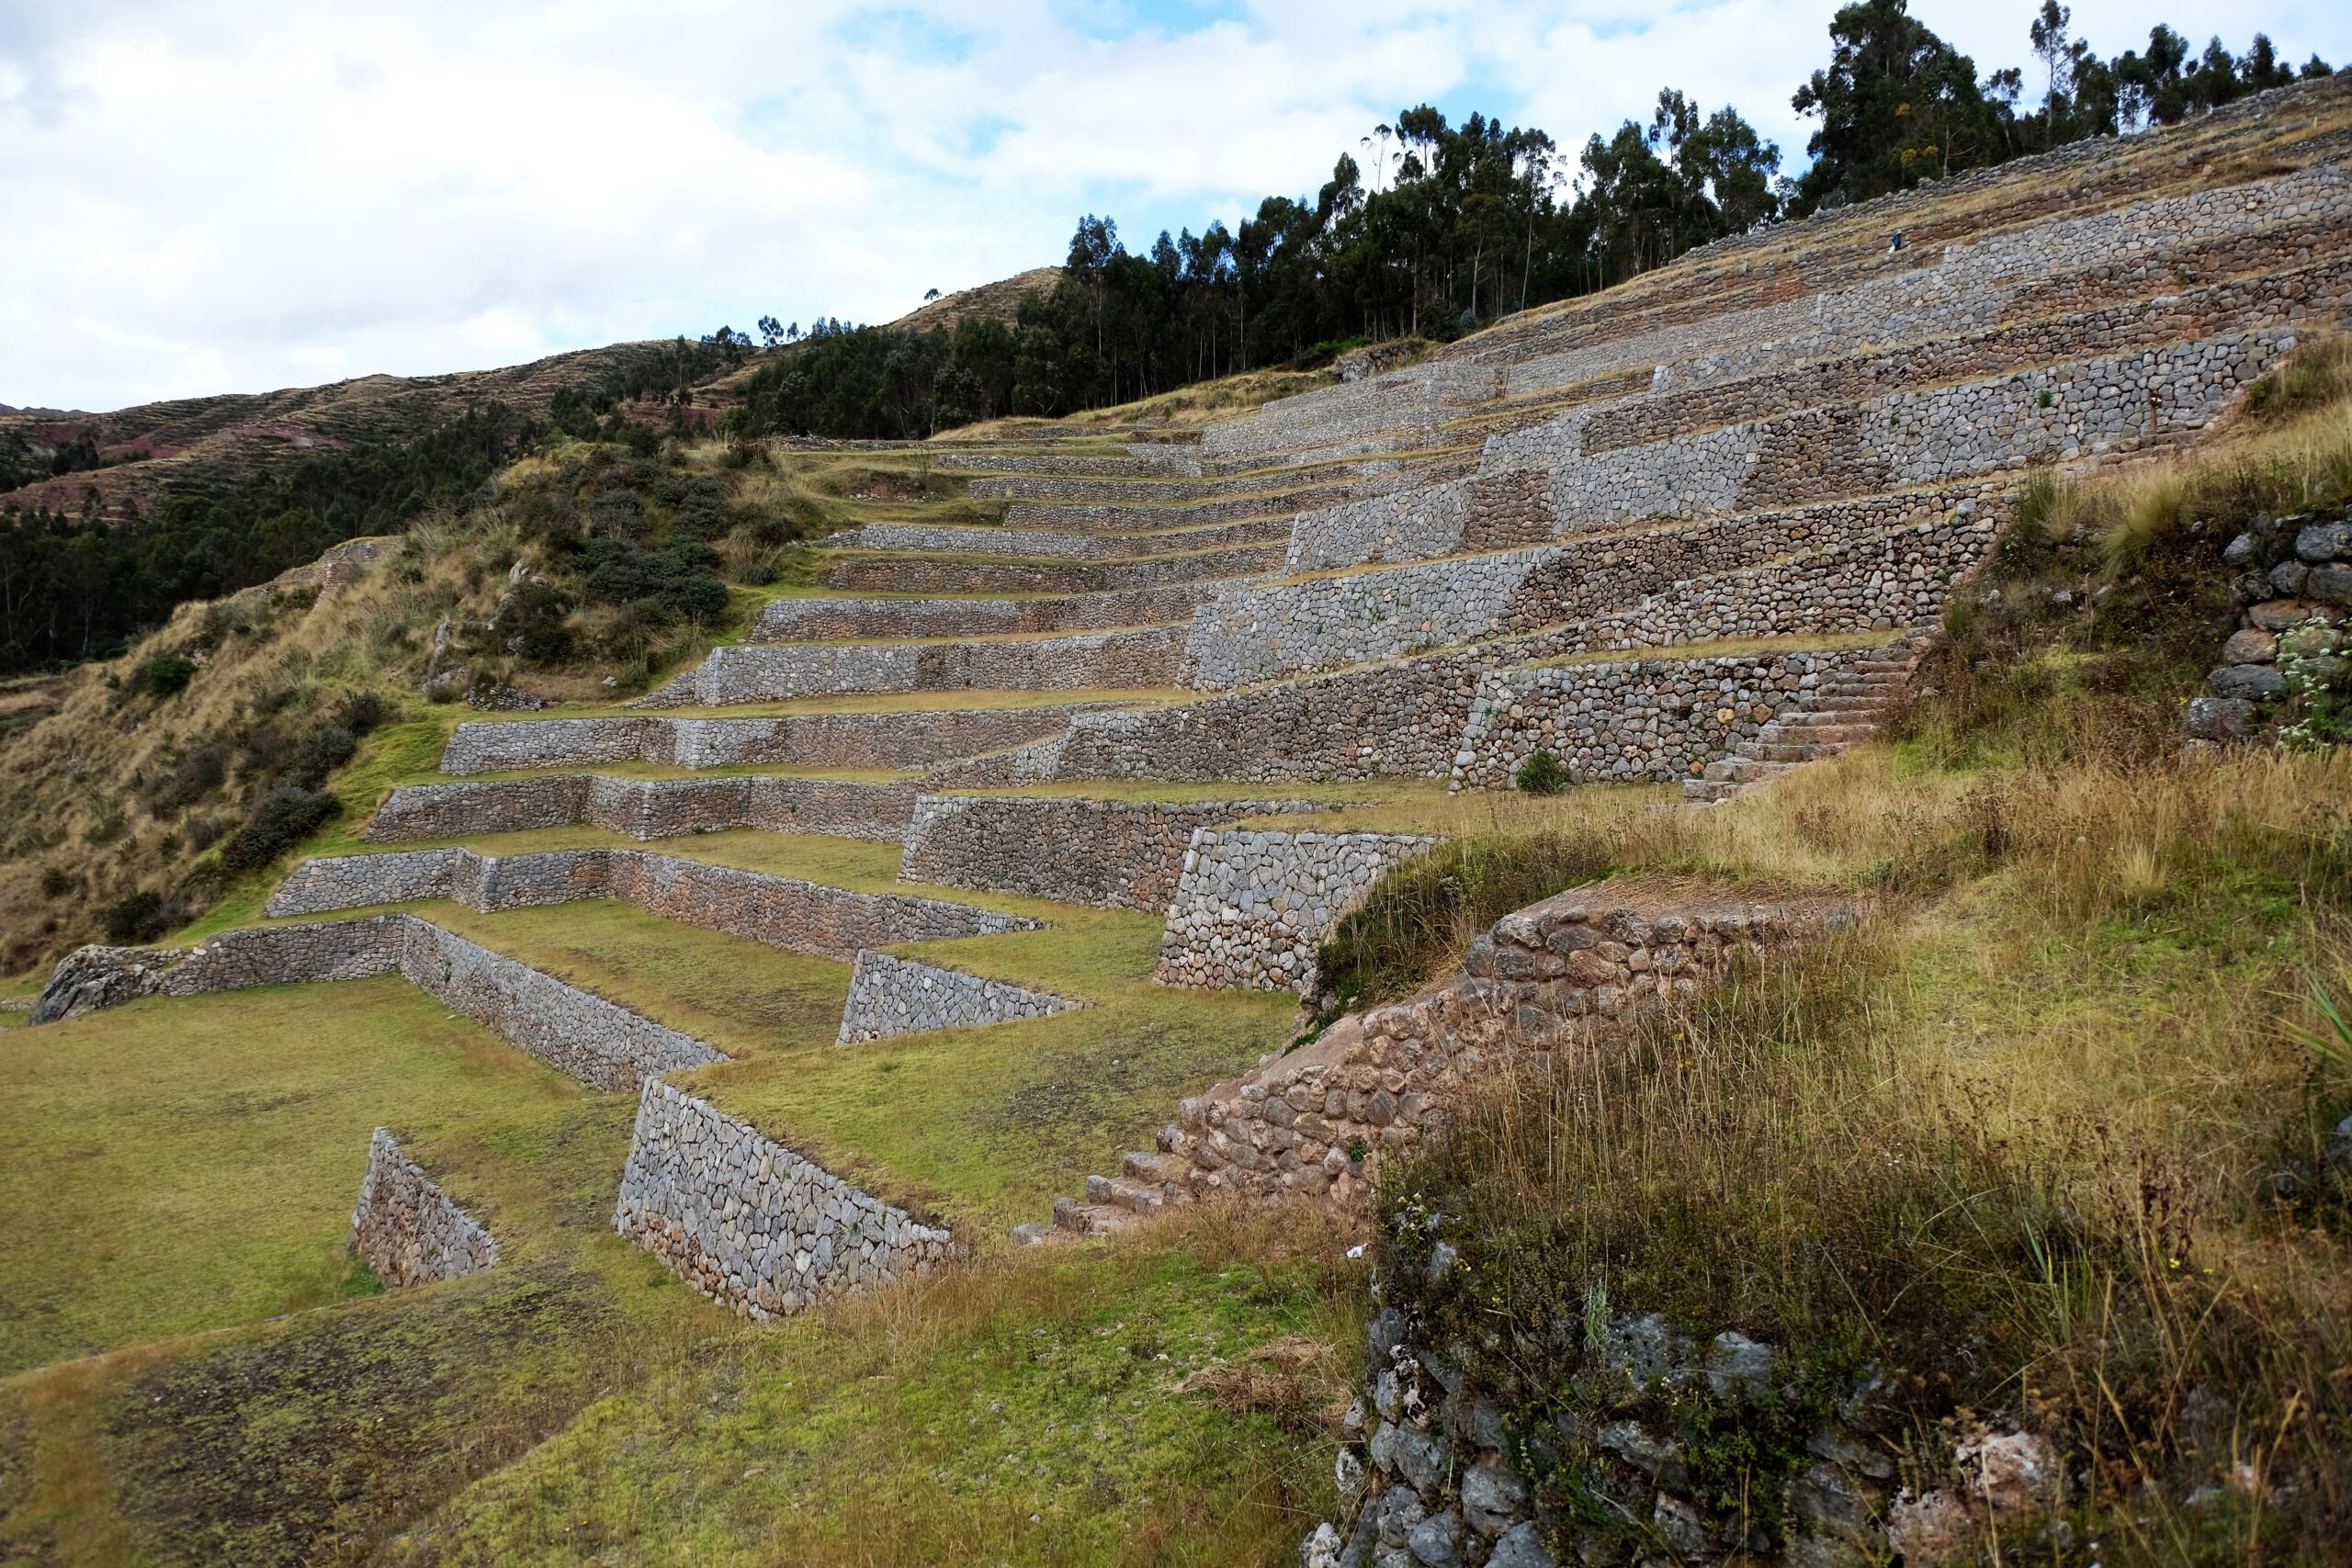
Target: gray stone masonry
[(782, 912), (1114, 854), (407, 1229), (753, 1226), (848, 620), (1030, 543), (646, 808), (1575, 971), (1180, 462), (928, 574), (1115, 661), (889, 997), (1254, 904), (2294, 585), (586, 1037), (889, 741), (1624, 721), (1839, 567)]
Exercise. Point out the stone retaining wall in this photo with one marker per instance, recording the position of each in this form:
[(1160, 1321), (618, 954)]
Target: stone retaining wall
[(1114, 854), (889, 741), (1026, 543), (845, 620), (1629, 720), (646, 808), (1084, 662), (753, 1226), (1253, 905), (2294, 585), (1578, 968), (407, 1229), (924, 574), (782, 912), (586, 1037), (889, 997), (1177, 461), (1092, 487)]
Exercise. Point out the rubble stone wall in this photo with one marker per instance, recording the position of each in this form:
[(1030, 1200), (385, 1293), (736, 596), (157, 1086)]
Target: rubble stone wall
[(781, 912), (1254, 904), (842, 620), (751, 1224), (1039, 544), (646, 808), (1627, 720), (407, 1229), (1114, 854), (926, 574), (881, 740), (889, 997), (1114, 660), (602, 1045)]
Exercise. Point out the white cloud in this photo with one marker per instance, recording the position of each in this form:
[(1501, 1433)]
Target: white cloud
[(204, 197)]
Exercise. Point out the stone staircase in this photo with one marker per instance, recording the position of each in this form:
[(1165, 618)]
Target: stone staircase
[(1847, 709)]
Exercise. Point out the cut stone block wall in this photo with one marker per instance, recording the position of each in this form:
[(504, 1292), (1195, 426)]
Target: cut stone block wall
[(753, 1226), (602, 1045), (407, 1229), (911, 739), (843, 620), (1114, 854), (1082, 662), (1254, 904), (782, 912), (889, 997), (1628, 720), (646, 808)]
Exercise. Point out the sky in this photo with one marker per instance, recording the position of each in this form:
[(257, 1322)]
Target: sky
[(241, 195)]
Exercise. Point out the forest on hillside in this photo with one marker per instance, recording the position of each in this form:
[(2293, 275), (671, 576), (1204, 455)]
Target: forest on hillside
[(1430, 229)]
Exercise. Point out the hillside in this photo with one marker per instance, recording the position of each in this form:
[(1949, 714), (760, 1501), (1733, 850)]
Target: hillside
[(205, 443), (1705, 927)]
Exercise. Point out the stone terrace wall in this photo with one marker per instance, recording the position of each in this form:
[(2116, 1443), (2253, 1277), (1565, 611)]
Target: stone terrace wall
[(1114, 854), (1387, 721), (782, 912), (753, 1226), (1138, 460), (1253, 905), (845, 620), (889, 997), (1039, 544), (810, 741), (407, 1229), (1084, 662), (1410, 402), (1577, 968), (584, 1036), (922, 574), (646, 808), (1635, 719)]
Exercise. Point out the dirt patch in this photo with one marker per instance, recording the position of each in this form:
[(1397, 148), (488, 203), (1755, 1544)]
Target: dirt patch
[(311, 1442)]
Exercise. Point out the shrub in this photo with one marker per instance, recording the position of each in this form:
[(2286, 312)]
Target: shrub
[(1544, 775), (197, 775), (139, 917), (166, 675), (56, 882), (362, 712), (323, 749), (287, 816)]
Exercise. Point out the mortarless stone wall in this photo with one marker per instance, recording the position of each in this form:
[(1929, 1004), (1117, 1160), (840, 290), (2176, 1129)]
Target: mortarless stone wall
[(1114, 660), (1254, 904), (646, 808), (782, 912), (1114, 854), (753, 1226), (845, 620), (407, 1229), (1633, 719), (911, 739), (603, 1045), (889, 997)]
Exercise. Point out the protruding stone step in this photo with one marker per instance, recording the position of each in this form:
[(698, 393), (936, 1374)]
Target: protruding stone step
[(1132, 1196), (1161, 1170), (1090, 1220)]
